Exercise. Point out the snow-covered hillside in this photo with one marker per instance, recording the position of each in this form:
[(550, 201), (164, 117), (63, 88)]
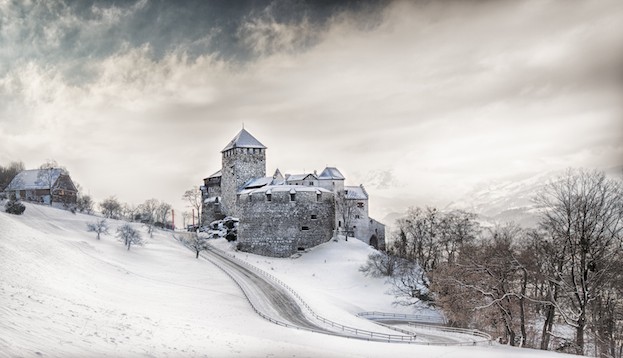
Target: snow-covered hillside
[(65, 294)]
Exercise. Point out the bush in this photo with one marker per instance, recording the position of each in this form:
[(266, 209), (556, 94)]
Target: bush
[(14, 207)]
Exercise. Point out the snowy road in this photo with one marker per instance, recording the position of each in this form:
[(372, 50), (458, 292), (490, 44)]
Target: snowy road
[(273, 301), (268, 298)]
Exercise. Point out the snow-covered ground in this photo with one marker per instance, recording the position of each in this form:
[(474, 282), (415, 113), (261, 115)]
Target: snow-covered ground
[(65, 294)]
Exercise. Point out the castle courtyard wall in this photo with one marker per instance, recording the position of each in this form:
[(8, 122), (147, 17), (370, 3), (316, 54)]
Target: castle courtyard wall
[(281, 227)]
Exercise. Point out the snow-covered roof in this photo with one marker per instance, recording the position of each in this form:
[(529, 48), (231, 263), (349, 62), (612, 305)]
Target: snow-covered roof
[(216, 175), (355, 193), (271, 189), (243, 139), (30, 179), (260, 182), (303, 176), (331, 173)]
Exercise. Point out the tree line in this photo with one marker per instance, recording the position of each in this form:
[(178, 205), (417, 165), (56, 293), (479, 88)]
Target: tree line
[(524, 286)]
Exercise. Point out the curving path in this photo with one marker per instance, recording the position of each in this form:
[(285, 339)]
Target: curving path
[(272, 300), (267, 297)]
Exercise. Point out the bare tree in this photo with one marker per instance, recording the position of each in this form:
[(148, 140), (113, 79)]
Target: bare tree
[(346, 209), (582, 215), (99, 227), (129, 211), (194, 198), (380, 264), (185, 216), (129, 236), (9, 172), (491, 277), (410, 285), (197, 242), (162, 213), (48, 174), (111, 208), (149, 214)]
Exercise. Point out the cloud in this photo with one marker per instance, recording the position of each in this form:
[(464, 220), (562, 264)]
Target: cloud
[(436, 96)]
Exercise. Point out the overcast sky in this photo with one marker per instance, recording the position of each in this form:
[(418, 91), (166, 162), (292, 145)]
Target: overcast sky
[(418, 100)]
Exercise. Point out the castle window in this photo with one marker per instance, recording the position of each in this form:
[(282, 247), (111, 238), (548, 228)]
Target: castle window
[(305, 228), (269, 197), (356, 216), (360, 205), (292, 197), (314, 217), (318, 196)]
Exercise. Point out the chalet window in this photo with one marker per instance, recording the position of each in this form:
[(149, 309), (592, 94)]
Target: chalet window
[(311, 183), (305, 228), (314, 217), (360, 205)]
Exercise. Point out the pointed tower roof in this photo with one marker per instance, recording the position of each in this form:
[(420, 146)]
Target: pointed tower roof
[(243, 139), (331, 173)]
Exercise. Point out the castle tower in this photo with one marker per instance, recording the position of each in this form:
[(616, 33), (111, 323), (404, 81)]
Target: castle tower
[(244, 158)]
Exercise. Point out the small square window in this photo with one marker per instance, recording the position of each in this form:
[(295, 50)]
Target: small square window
[(314, 217), (360, 205)]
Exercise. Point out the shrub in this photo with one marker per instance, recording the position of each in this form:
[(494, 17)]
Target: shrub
[(14, 207)]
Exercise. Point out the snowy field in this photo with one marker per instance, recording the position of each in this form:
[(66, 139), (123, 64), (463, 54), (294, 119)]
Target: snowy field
[(65, 294)]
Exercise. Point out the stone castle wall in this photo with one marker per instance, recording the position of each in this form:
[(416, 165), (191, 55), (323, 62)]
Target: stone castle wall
[(239, 165), (281, 227)]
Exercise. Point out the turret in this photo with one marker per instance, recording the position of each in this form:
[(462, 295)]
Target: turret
[(244, 158)]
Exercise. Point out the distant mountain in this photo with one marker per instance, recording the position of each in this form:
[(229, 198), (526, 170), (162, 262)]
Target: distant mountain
[(504, 201)]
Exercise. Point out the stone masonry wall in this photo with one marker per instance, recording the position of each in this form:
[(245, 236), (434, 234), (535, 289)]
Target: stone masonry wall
[(281, 227), (239, 165), (378, 229)]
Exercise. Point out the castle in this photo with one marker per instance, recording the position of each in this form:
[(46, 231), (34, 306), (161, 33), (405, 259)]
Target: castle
[(280, 215)]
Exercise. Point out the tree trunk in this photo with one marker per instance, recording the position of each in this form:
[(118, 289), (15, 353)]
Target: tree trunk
[(197, 256), (579, 334), (547, 327), (129, 245), (522, 313)]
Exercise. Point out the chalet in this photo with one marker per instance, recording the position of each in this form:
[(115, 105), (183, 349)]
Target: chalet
[(41, 185)]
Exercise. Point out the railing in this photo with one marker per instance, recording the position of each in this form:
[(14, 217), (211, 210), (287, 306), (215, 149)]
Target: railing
[(484, 337), (408, 338), (404, 317), (360, 333)]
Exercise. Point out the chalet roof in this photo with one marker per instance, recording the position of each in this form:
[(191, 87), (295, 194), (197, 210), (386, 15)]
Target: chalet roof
[(331, 173), (243, 139), (216, 175), (355, 193), (31, 179)]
